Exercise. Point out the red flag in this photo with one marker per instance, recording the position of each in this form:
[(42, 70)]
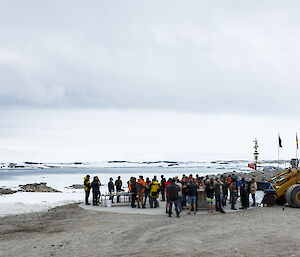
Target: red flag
[(252, 166)]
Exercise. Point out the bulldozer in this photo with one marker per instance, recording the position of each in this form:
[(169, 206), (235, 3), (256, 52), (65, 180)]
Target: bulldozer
[(286, 186)]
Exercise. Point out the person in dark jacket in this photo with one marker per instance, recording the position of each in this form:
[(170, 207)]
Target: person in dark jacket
[(224, 190), (218, 196), (233, 193), (87, 188), (96, 190), (118, 184), (244, 192), (191, 193), (111, 189), (210, 190), (133, 191), (172, 191), (147, 191), (184, 191), (162, 188)]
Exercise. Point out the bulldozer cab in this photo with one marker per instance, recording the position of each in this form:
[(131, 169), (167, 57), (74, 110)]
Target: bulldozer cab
[(287, 185)]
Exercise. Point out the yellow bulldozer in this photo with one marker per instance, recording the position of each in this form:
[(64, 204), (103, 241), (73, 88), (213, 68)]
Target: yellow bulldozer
[(286, 185)]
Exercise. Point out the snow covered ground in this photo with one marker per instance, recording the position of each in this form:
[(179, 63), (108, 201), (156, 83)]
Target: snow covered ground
[(23, 202)]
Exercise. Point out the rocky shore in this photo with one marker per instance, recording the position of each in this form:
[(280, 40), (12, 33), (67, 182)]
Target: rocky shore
[(37, 187), (6, 191)]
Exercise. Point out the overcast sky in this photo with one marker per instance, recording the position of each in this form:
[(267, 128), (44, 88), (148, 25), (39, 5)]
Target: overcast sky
[(148, 61)]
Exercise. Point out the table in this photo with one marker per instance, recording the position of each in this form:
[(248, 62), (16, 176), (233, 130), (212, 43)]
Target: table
[(124, 199)]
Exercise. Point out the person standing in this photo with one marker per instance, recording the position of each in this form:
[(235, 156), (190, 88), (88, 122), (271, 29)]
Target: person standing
[(163, 188), (244, 188), (172, 191), (96, 190), (210, 190), (147, 191), (133, 191), (179, 193), (118, 184), (224, 190), (154, 193), (184, 191), (191, 193), (167, 195), (218, 195), (87, 188), (233, 193), (229, 180), (253, 188), (111, 189), (140, 188)]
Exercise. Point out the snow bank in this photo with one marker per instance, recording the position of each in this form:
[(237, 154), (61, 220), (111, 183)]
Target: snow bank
[(25, 202)]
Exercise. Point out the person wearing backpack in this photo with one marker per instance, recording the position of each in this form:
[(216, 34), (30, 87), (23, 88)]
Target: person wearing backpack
[(154, 193)]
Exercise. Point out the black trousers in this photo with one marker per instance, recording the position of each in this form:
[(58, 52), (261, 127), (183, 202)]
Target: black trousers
[(133, 199), (244, 200), (153, 200), (147, 195), (95, 197), (163, 197), (87, 195)]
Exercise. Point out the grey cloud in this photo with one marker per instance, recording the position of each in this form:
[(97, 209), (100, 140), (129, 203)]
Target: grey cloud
[(196, 57)]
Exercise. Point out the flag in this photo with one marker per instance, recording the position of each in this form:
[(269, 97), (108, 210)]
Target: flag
[(280, 142), (252, 166), (297, 143)]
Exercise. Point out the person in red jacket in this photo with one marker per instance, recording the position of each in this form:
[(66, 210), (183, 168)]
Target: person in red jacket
[(167, 195)]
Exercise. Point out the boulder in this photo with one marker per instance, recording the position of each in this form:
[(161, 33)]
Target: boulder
[(37, 187), (76, 186), (6, 191)]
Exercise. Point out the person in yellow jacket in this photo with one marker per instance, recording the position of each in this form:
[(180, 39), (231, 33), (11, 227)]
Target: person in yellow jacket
[(87, 188), (154, 193)]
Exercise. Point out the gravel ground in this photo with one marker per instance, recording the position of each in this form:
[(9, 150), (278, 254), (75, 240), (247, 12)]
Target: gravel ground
[(72, 231)]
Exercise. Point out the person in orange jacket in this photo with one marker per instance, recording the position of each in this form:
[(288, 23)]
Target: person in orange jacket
[(140, 188)]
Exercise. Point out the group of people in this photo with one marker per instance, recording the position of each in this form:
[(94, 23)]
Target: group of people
[(182, 193)]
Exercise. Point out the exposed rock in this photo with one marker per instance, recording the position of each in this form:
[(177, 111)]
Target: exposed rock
[(6, 191), (76, 186), (32, 163), (37, 187)]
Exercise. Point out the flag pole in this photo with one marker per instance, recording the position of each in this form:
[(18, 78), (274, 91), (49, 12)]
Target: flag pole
[(278, 157), (296, 147), (278, 149)]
